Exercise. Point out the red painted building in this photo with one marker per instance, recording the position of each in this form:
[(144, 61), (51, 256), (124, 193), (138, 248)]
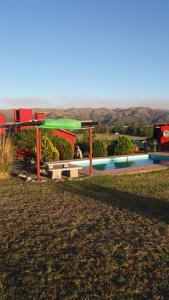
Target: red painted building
[(40, 115), (71, 137), (23, 115), (161, 133), (2, 122)]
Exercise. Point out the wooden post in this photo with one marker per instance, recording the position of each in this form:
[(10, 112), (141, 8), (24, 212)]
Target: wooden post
[(37, 152), (91, 150), (40, 145)]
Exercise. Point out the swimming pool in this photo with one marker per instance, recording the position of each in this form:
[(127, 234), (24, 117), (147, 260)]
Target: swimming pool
[(122, 162)]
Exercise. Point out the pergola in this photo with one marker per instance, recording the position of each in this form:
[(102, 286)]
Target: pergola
[(60, 123)]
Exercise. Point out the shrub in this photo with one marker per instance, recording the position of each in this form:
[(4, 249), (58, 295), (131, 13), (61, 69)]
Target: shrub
[(99, 149), (84, 147), (111, 147), (25, 139), (84, 143), (63, 146), (123, 146), (49, 152), (6, 158)]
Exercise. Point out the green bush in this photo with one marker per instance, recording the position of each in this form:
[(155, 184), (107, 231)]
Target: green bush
[(25, 139), (64, 147), (49, 152), (123, 146), (99, 149)]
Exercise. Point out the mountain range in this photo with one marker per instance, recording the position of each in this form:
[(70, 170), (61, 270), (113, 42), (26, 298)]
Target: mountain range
[(105, 116)]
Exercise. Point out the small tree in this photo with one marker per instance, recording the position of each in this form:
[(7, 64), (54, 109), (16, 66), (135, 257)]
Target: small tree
[(99, 149), (49, 152), (123, 146), (63, 146)]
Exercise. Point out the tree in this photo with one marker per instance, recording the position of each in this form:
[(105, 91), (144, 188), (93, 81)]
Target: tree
[(132, 129), (63, 146), (49, 152), (111, 147), (99, 149), (123, 146)]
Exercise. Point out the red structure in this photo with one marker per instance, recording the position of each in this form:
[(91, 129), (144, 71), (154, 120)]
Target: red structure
[(23, 115), (2, 122), (161, 133), (26, 114), (40, 115), (71, 137), (38, 138), (62, 133)]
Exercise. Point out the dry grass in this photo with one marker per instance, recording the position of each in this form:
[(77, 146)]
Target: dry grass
[(106, 137), (102, 238), (6, 158)]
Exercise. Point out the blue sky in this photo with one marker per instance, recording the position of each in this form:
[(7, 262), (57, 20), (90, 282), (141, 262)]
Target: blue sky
[(84, 53)]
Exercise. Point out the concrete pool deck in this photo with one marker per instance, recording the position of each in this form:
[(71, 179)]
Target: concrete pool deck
[(122, 171)]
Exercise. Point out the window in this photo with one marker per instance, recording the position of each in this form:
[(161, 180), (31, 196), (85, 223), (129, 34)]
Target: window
[(166, 133)]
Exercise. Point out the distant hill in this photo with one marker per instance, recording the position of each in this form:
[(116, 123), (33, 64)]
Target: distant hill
[(104, 115)]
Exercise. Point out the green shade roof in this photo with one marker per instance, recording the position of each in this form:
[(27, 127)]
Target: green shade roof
[(69, 124)]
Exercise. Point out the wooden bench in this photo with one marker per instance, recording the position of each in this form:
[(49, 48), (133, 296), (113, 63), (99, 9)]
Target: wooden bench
[(71, 172)]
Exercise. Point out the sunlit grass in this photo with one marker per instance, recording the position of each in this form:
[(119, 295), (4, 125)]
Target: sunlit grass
[(101, 238)]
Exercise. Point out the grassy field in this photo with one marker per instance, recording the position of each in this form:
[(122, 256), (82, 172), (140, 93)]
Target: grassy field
[(101, 238), (106, 137)]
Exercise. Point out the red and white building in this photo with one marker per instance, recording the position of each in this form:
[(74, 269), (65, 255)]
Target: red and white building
[(161, 133)]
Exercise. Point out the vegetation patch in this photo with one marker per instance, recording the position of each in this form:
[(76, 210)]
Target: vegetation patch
[(6, 157), (101, 238)]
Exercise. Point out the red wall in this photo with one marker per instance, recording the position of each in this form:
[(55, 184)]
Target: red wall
[(2, 122), (66, 135)]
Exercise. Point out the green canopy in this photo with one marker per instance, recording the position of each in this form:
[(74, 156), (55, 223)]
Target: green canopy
[(61, 123)]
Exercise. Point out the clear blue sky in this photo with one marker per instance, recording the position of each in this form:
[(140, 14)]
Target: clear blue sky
[(85, 49)]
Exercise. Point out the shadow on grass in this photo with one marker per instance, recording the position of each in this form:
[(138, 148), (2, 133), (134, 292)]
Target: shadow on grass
[(146, 206)]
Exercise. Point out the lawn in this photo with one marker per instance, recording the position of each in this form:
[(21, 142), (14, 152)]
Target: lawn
[(101, 238)]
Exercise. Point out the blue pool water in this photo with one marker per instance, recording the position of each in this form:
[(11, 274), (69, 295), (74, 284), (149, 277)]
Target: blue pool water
[(122, 162)]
